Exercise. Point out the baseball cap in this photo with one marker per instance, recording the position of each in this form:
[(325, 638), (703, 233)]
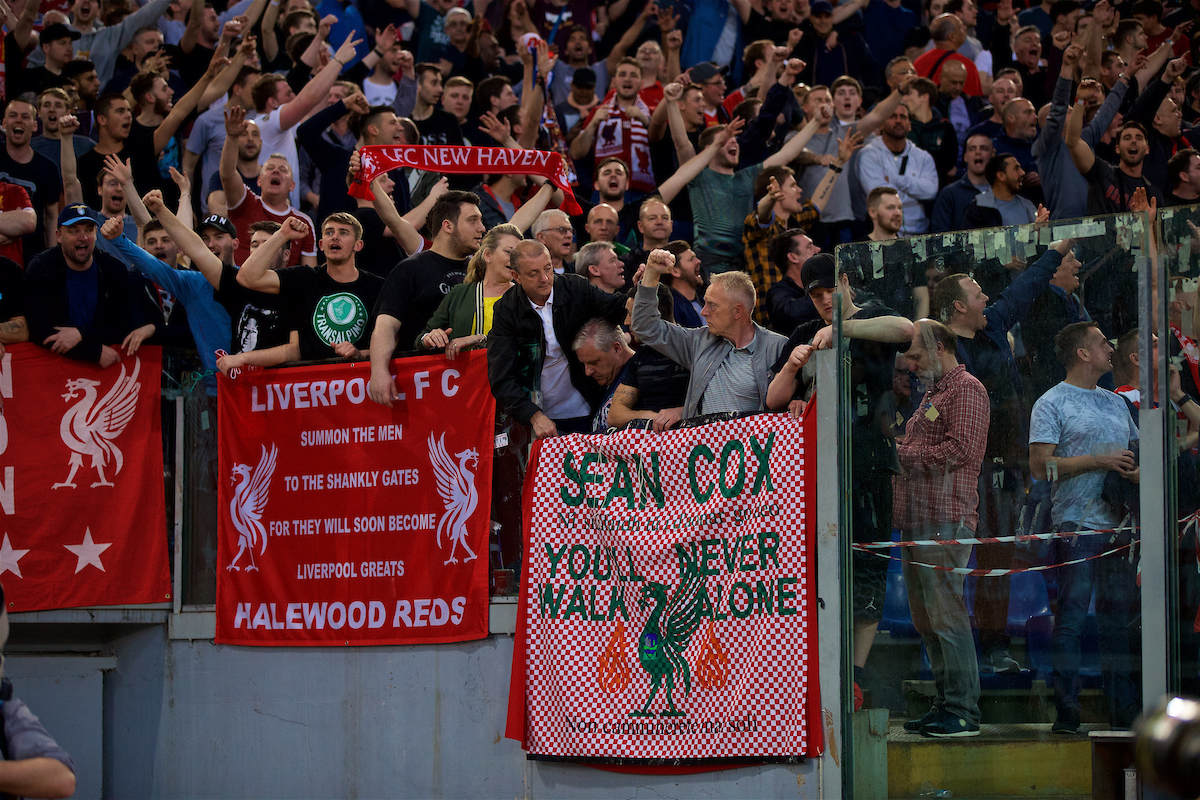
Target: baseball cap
[(705, 71), (820, 7), (584, 77), (220, 223), (818, 273), (52, 33), (74, 214)]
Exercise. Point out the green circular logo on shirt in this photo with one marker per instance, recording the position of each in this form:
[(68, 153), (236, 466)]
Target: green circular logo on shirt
[(339, 317)]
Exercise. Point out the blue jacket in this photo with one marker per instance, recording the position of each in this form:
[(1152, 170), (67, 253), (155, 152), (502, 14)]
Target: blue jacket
[(949, 210), (208, 319)]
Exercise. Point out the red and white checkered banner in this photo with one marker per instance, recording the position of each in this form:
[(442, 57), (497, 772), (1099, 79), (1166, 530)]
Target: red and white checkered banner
[(667, 606), (81, 481)]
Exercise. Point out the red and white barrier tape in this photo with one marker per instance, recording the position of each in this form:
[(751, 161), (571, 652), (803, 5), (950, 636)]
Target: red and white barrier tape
[(1027, 537), (996, 573)]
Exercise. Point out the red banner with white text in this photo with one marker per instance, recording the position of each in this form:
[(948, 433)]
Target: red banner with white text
[(81, 481), (344, 522), (667, 611)]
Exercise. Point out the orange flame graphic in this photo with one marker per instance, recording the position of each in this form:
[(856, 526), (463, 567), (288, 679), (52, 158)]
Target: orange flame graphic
[(612, 672), (712, 668)]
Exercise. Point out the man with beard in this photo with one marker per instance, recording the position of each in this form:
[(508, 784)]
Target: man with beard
[(33, 172), (935, 499), (414, 289), (686, 283), (249, 145), (1000, 204), (788, 305), (612, 182), (334, 301), (260, 330), (78, 301), (246, 207), (1111, 191), (1020, 129), (575, 56), (535, 375), (619, 127), (893, 160), (949, 211)]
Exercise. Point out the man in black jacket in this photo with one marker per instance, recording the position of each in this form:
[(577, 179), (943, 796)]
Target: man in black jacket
[(534, 373), (78, 300)]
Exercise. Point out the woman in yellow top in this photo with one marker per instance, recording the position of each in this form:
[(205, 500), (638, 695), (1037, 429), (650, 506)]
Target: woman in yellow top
[(466, 310)]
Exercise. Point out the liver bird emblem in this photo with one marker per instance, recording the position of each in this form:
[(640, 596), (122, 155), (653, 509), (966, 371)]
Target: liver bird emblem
[(456, 485), (249, 501), (89, 427), (666, 636)]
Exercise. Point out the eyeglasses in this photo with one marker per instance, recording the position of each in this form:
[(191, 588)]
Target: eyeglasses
[(563, 230)]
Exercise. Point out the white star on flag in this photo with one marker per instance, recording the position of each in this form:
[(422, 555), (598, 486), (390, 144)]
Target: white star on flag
[(88, 552), (9, 558)]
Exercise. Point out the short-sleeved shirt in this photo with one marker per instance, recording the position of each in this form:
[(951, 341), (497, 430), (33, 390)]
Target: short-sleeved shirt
[(251, 210), (1110, 190), (660, 381), (13, 198), (415, 288), (1082, 422), (327, 312), (440, 127), (277, 140), (720, 204), (259, 320), (42, 180), (837, 208)]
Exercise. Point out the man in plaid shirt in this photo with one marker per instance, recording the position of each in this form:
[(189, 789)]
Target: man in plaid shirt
[(937, 498)]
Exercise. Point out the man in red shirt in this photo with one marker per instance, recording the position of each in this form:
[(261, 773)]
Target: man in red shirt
[(619, 128), (948, 34), (246, 208), (937, 498), (17, 219)]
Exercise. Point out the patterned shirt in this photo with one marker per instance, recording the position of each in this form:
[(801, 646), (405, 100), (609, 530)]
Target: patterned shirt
[(942, 453), (756, 239)]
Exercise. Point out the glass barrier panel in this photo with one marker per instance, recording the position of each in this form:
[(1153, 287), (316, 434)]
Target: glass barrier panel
[(995, 593)]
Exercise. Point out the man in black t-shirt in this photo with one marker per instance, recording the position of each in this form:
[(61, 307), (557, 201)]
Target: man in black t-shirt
[(437, 126), (876, 336), (1111, 190), (331, 305), (414, 289), (33, 172), (13, 327)]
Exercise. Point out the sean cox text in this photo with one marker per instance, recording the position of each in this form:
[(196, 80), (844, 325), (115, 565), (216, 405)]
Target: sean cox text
[(422, 613), (315, 394)]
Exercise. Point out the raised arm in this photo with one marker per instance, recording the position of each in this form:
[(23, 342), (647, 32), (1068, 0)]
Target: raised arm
[(270, 40), (793, 146), (1154, 64), (846, 147), (226, 77), (183, 109), (524, 216), (256, 272), (186, 239), (72, 190), (873, 120), (402, 229), (317, 88), (631, 35), (684, 149), (231, 181), (1081, 153), (124, 175), (191, 34), (689, 170)]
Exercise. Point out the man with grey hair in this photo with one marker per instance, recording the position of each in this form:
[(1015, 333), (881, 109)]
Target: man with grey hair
[(553, 229), (730, 359), (599, 263), (534, 373), (604, 352)]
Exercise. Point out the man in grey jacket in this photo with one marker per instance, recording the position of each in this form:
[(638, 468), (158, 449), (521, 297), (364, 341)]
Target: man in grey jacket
[(1065, 188), (730, 360)]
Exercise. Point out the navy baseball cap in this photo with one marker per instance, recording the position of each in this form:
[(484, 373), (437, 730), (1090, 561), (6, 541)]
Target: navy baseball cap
[(820, 7), (74, 214)]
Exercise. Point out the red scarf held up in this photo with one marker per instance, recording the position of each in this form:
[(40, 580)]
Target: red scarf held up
[(462, 160)]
